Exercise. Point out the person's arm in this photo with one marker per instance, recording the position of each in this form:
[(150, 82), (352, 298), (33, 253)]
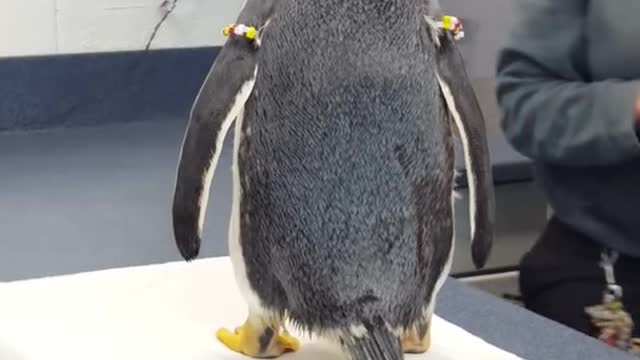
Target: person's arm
[(551, 111)]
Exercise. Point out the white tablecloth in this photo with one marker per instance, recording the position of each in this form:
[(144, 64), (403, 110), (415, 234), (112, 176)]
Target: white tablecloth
[(158, 312)]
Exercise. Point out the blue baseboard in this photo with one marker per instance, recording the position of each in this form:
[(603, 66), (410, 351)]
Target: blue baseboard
[(96, 89)]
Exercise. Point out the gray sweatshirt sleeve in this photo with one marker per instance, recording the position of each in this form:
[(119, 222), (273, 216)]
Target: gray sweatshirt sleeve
[(552, 112)]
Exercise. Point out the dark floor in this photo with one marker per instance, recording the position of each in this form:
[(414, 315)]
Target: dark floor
[(84, 199), (90, 198)]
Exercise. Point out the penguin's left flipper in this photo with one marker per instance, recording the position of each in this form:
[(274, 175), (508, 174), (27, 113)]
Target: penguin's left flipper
[(465, 110), (221, 99), (259, 338)]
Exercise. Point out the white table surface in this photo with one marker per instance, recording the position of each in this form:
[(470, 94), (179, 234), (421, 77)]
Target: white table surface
[(164, 311)]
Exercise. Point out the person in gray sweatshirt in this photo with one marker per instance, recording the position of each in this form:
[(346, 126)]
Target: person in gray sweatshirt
[(568, 85)]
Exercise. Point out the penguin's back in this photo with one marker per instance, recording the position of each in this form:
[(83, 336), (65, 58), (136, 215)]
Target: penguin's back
[(346, 164)]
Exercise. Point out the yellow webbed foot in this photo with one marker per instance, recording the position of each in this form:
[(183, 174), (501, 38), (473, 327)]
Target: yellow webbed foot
[(260, 342), (232, 340), (417, 340), (288, 342)]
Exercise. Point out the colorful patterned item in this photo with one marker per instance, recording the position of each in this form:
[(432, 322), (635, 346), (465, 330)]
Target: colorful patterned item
[(453, 24), (247, 32)]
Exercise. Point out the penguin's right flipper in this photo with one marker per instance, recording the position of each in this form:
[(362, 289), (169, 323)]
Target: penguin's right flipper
[(466, 112), (221, 99)]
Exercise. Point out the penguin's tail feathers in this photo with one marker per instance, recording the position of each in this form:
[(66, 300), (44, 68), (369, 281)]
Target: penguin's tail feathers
[(375, 342)]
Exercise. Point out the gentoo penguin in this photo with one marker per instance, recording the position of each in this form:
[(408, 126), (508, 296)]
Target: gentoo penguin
[(343, 171)]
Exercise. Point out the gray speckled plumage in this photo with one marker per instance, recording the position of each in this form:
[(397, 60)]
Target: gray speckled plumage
[(344, 165)]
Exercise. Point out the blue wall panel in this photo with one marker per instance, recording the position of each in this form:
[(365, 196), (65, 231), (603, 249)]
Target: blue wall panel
[(94, 89)]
